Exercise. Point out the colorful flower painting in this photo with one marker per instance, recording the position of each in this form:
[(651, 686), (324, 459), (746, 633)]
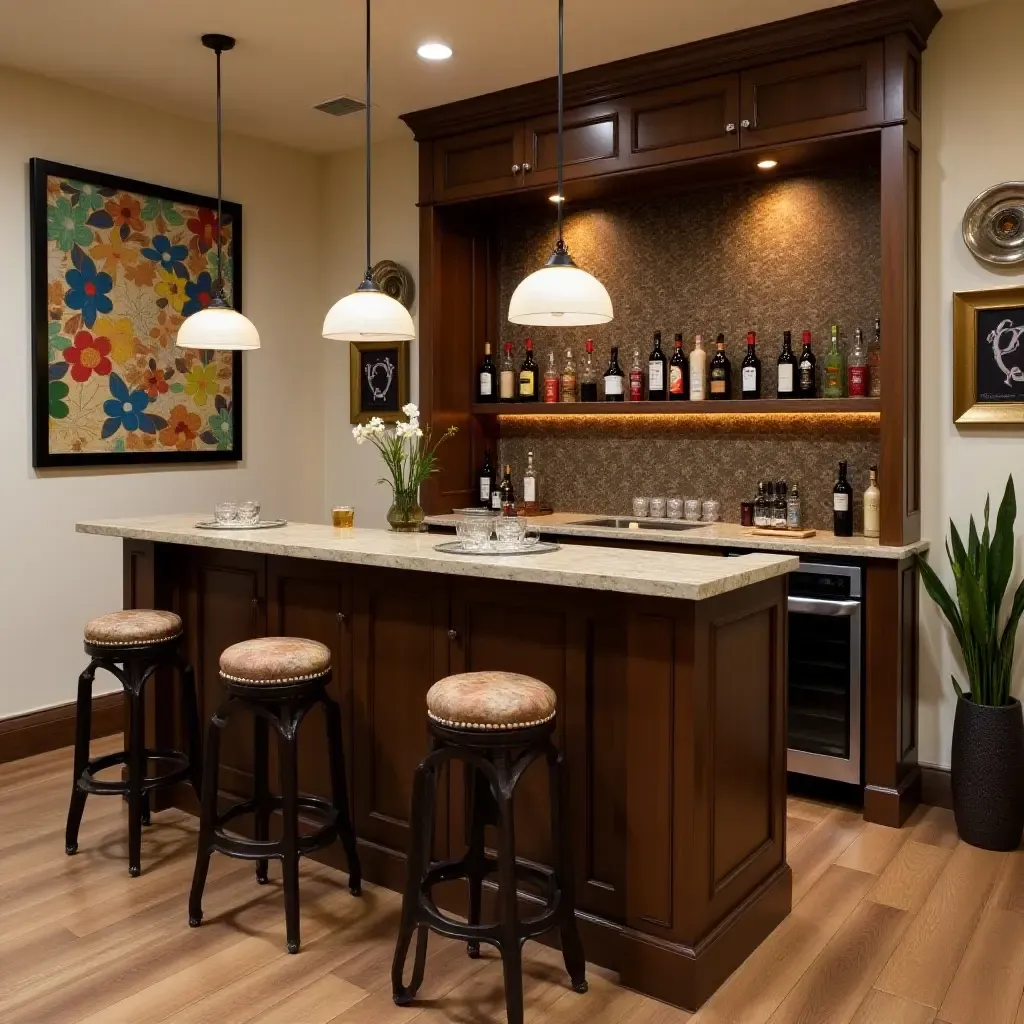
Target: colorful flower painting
[(118, 266)]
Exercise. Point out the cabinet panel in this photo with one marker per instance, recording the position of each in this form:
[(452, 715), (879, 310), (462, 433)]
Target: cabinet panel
[(591, 139), (478, 163), (685, 122), (838, 91)]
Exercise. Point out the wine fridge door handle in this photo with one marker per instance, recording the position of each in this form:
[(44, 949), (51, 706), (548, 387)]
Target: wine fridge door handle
[(815, 606)]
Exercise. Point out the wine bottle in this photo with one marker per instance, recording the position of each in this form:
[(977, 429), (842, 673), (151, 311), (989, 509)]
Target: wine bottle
[(509, 378), (750, 371), (875, 362), (508, 493), (614, 378), (636, 377), (487, 379), (657, 366), (807, 371), (857, 370), (530, 482), (835, 376), (785, 387), (588, 376), (528, 376), (678, 391), (720, 373), (570, 386), (872, 505), (842, 505), (698, 371), (551, 380), (485, 481)]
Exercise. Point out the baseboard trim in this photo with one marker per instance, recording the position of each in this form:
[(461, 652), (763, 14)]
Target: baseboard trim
[(935, 786), (52, 728)]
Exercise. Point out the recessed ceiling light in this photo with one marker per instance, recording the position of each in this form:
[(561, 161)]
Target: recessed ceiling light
[(434, 51), (767, 165), (557, 198)]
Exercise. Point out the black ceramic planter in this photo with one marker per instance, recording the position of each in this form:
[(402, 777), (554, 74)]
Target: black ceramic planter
[(988, 774)]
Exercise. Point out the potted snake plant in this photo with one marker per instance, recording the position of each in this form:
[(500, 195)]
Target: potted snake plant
[(987, 772)]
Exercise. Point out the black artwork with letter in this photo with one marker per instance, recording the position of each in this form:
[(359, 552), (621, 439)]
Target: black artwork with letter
[(1000, 354), (379, 384)]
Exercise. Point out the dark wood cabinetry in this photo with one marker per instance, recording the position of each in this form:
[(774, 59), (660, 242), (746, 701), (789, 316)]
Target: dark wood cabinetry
[(592, 144), (478, 164)]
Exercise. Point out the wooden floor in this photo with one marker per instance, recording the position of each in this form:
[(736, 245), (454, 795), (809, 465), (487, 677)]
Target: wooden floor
[(888, 927)]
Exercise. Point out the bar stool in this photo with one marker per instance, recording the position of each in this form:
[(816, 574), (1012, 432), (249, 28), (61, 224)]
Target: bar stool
[(131, 645), (278, 680), (497, 724)]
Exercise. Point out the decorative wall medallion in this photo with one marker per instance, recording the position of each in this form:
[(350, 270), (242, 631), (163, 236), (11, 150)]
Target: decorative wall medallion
[(378, 380), (994, 225), (395, 281)]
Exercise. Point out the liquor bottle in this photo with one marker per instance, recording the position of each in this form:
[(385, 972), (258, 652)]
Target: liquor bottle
[(872, 505), (857, 371), (759, 505), (786, 384), (551, 380), (794, 512), (835, 376), (614, 378), (496, 495), (677, 382), (487, 379), (769, 505), (528, 376), (842, 505), (779, 506), (529, 482), (698, 371), (588, 376), (750, 370), (875, 362), (807, 372), (657, 367), (720, 373), (570, 385), (508, 494), (485, 481), (508, 375), (636, 377)]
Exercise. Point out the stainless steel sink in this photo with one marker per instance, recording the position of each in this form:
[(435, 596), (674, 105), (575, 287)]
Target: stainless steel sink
[(623, 523)]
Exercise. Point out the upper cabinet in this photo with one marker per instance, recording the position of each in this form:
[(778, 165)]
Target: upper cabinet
[(592, 142), (480, 163), (825, 94)]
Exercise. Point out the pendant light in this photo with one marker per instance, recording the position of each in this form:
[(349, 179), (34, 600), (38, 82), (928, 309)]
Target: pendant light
[(218, 326), (368, 314), (560, 294)]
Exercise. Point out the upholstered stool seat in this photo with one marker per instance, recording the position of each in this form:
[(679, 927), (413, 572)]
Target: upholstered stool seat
[(132, 627), (274, 661), (490, 700)]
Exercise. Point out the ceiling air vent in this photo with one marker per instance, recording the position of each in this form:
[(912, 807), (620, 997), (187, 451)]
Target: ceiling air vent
[(341, 106)]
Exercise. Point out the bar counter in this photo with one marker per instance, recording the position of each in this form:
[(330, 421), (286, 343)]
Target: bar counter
[(669, 673)]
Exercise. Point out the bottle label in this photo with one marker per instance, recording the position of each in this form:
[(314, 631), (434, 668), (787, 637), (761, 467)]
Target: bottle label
[(749, 378), (785, 378), (840, 503), (496, 499), (675, 380), (858, 381), (612, 385), (550, 389), (526, 383), (806, 377), (656, 375), (696, 382), (485, 385), (568, 387), (508, 384), (717, 386), (834, 381), (529, 489), (485, 488), (636, 385)]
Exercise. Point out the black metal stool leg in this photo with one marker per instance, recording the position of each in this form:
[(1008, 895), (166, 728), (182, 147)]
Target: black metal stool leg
[(511, 947), (190, 714), (290, 809), (136, 765), (260, 791), (561, 839), (478, 792), (83, 728), (207, 815), (339, 787)]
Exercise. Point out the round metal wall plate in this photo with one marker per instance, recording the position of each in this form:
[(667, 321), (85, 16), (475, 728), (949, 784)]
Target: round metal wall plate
[(394, 280), (994, 225)]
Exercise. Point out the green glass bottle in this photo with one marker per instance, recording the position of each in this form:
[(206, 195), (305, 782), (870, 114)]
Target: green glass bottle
[(835, 368)]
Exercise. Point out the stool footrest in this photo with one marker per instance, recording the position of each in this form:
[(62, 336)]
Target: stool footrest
[(102, 787), (262, 849)]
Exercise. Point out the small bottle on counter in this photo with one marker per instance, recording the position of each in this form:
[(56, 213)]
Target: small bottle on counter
[(794, 513), (588, 376), (569, 387), (508, 493), (508, 375), (551, 380), (485, 481), (759, 505), (614, 378), (779, 509), (842, 505), (872, 505), (529, 483), (636, 377), (698, 371)]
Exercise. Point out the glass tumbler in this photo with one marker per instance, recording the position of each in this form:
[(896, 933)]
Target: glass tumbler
[(343, 517), (249, 513), (657, 508), (640, 507), (225, 512), (692, 509), (675, 508)]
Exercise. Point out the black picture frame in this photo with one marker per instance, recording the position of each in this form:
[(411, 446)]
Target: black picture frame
[(362, 405), (40, 170)]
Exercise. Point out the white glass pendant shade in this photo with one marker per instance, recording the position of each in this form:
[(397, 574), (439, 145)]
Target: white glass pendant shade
[(560, 295), (218, 327), (368, 315)]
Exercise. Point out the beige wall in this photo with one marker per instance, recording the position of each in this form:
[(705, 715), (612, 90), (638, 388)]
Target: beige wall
[(972, 114), (52, 580)]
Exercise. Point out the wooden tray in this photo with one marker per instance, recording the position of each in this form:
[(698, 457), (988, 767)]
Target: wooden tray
[(760, 531)]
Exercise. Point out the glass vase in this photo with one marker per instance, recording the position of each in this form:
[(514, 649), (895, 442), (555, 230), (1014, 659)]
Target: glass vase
[(405, 514)]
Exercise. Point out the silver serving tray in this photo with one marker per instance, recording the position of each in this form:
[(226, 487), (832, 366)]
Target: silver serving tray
[(454, 547), (263, 524)]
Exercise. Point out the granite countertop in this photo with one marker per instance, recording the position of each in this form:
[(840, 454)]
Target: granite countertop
[(648, 573), (712, 535)]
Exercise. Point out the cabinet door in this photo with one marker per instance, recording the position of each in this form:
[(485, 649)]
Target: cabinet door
[(838, 91), (591, 139), (685, 122), (479, 163)]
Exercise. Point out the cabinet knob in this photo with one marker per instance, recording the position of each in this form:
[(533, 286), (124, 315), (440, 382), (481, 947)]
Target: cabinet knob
[(745, 123), (527, 168), (731, 127), (341, 616), (453, 634), (515, 168)]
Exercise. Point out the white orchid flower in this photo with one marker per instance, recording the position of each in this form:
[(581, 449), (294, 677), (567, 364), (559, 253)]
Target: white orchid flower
[(411, 410)]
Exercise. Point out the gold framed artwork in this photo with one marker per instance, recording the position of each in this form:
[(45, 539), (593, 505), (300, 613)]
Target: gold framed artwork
[(378, 380), (988, 356)]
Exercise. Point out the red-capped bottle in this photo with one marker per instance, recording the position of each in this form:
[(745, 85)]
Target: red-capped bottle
[(588, 376)]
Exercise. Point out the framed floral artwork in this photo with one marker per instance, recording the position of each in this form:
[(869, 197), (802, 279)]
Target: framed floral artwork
[(117, 266)]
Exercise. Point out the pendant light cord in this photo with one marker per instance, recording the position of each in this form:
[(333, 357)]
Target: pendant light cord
[(219, 291), (561, 104), (369, 107)]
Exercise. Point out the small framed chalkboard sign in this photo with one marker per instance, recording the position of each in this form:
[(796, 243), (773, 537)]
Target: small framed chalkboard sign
[(378, 380), (988, 356)]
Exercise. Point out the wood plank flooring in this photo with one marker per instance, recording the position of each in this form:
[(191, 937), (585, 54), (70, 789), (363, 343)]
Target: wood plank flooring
[(888, 927)]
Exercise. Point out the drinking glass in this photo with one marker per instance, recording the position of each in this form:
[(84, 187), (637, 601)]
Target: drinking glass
[(711, 509), (343, 517), (225, 512), (474, 532), (249, 513), (675, 508), (657, 508), (640, 507), (692, 509)]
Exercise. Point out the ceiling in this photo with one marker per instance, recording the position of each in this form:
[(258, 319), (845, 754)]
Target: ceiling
[(291, 56)]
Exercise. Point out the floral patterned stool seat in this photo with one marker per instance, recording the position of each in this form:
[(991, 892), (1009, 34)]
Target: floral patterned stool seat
[(278, 680), (132, 645), (497, 724)]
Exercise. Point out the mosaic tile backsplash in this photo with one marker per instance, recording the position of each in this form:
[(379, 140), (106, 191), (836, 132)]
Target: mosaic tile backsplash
[(790, 254)]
